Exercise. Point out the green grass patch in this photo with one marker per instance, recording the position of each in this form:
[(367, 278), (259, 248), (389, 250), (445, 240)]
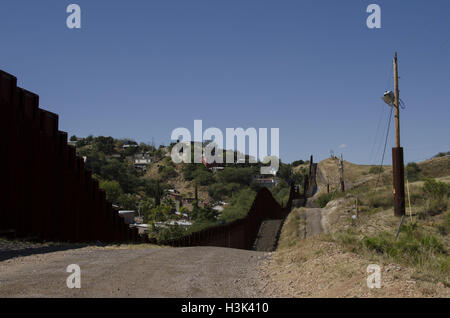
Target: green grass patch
[(415, 247)]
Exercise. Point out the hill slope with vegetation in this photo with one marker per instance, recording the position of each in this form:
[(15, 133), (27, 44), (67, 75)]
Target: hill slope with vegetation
[(333, 264), (164, 192)]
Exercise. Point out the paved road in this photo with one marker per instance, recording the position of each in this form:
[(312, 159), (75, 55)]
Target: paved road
[(149, 272)]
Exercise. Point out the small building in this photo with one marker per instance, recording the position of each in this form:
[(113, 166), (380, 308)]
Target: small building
[(142, 228), (128, 216), (267, 182), (129, 144), (183, 215), (218, 208), (175, 195), (142, 160), (214, 166)]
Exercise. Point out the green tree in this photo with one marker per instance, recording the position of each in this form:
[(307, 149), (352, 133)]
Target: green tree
[(128, 201), (238, 206), (112, 189), (160, 213), (104, 144), (218, 191), (204, 214), (204, 178), (297, 163), (243, 176), (285, 172)]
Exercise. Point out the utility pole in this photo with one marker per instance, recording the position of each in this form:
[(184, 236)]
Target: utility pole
[(396, 103), (341, 174), (397, 153)]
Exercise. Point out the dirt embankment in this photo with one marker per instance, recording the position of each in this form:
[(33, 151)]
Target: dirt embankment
[(309, 263)]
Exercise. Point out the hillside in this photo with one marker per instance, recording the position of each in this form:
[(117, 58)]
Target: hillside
[(334, 263), (176, 199)]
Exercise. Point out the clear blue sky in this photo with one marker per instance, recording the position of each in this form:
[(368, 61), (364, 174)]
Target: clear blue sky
[(139, 69)]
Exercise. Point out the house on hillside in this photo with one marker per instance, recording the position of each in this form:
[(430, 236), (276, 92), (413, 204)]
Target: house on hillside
[(129, 144), (175, 195), (142, 160), (266, 181), (213, 166)]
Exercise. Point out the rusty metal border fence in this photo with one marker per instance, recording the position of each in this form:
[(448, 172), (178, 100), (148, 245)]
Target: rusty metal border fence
[(46, 192), (240, 233)]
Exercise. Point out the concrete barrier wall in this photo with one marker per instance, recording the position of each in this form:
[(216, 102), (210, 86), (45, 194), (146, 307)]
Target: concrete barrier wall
[(46, 191)]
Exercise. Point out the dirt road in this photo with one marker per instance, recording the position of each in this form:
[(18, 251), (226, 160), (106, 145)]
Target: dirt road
[(146, 272), (268, 235), (313, 221)]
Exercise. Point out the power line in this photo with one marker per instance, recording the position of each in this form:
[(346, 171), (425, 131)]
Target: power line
[(385, 143), (372, 154)]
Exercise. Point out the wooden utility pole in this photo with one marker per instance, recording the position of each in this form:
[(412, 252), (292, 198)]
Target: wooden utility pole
[(397, 103), (397, 153), (341, 174)]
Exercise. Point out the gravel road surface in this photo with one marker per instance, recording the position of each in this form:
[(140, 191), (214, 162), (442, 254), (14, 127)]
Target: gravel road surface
[(135, 272)]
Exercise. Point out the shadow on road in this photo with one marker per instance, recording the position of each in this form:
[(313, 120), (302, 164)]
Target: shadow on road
[(10, 250)]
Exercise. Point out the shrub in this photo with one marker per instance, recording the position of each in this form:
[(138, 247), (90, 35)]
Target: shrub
[(204, 177), (433, 207), (281, 192), (442, 154), (381, 244), (412, 172), (218, 191), (382, 200), (238, 206), (169, 233), (350, 240), (167, 172), (376, 170), (323, 199), (297, 163), (436, 194), (243, 176), (435, 189)]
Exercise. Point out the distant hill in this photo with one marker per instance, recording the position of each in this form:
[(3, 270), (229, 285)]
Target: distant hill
[(355, 174)]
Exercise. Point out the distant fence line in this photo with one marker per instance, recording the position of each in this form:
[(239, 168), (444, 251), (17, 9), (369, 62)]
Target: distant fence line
[(243, 232), (46, 191)]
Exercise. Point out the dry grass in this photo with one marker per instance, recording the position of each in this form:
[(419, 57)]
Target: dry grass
[(321, 267), (436, 167), (334, 264)]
